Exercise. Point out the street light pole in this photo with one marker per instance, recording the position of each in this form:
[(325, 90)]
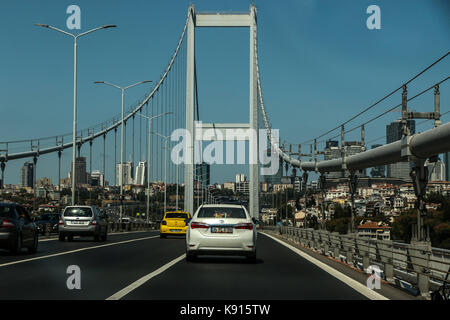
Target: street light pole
[(74, 119), (165, 175), (148, 157), (166, 138), (75, 37), (122, 89), (176, 200)]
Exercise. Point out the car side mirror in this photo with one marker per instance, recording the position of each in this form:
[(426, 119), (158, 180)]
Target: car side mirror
[(255, 221), (187, 220)]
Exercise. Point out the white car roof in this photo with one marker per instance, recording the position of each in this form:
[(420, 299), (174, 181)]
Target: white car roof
[(80, 206), (222, 206)]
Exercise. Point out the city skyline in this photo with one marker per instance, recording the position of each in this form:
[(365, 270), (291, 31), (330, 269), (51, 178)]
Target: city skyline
[(353, 52)]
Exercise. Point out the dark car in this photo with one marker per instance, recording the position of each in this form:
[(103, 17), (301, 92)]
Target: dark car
[(17, 230), (48, 222)]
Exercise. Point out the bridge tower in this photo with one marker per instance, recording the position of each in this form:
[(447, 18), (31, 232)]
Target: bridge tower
[(196, 20)]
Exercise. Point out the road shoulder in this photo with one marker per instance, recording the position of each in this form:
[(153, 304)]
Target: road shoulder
[(387, 290)]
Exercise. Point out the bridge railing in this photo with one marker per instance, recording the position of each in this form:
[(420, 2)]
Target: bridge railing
[(130, 226), (417, 267)]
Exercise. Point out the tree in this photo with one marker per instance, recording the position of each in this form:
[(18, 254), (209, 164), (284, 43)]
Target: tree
[(338, 225), (342, 212), (436, 220), (402, 227)]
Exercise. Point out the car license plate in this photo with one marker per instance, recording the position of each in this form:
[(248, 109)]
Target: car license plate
[(77, 222), (221, 230), (175, 230)]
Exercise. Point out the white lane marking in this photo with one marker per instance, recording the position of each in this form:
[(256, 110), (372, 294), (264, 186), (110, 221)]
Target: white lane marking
[(74, 251), (369, 293), (120, 294), (54, 238)]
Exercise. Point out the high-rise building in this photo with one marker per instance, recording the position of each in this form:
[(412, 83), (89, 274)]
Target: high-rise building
[(27, 175), (81, 176), (436, 170), (242, 184), (242, 187), (331, 143), (352, 148), (379, 171), (127, 168), (399, 170), (44, 182), (332, 151), (97, 179), (141, 173), (240, 177), (203, 174)]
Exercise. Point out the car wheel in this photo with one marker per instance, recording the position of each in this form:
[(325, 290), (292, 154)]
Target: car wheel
[(17, 246), (96, 237), (33, 248), (61, 237), (190, 257), (69, 238)]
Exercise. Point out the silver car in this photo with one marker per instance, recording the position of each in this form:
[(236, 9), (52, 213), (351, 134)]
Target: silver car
[(83, 221)]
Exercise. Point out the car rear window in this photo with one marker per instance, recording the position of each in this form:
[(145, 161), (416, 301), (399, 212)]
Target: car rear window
[(182, 215), (221, 213), (78, 212), (7, 212)]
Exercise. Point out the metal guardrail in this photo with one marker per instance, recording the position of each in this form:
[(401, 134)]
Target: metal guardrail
[(112, 227), (418, 264), (131, 226)]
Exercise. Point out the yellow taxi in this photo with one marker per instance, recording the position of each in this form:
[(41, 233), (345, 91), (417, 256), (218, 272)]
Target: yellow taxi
[(174, 223)]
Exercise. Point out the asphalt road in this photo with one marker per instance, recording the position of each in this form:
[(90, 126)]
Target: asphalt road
[(109, 268)]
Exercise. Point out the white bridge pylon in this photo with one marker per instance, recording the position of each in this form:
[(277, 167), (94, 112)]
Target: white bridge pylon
[(221, 20)]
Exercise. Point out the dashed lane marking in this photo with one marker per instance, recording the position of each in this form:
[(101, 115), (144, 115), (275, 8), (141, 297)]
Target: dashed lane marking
[(75, 251), (120, 294)]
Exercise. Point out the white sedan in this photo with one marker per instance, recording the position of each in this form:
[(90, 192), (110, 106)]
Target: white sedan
[(222, 229)]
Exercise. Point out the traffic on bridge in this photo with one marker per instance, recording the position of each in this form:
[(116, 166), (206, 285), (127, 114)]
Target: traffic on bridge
[(219, 200)]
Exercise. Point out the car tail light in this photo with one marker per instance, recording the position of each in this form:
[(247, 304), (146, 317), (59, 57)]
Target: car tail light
[(94, 222), (164, 222), (61, 222), (246, 226), (199, 225), (7, 224)]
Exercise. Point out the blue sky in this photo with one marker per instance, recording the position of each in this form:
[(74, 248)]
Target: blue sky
[(319, 65)]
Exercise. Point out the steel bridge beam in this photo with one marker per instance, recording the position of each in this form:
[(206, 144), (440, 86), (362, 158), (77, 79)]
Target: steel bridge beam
[(223, 20), (422, 145)]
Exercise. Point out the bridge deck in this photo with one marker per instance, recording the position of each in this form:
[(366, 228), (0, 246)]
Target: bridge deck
[(107, 268)]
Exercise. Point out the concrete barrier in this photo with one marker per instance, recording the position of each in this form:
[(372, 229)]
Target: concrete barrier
[(417, 266)]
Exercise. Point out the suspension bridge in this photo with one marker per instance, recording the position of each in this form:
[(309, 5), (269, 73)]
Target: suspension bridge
[(173, 103)]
